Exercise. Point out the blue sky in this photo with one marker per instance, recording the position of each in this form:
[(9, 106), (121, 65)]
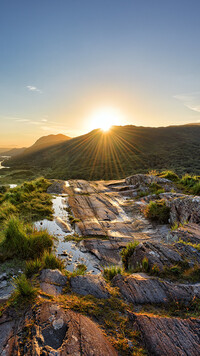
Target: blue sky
[(61, 61)]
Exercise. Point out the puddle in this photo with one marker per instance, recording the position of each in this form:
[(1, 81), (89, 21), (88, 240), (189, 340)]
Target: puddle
[(60, 227)]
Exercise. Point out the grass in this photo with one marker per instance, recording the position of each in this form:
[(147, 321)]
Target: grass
[(110, 272), (33, 267), (30, 201), (23, 240), (127, 252), (52, 262), (157, 211), (24, 291)]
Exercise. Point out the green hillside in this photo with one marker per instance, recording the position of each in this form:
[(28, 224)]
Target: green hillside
[(122, 151)]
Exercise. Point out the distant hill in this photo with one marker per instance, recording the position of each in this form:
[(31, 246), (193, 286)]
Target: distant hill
[(122, 151), (46, 142), (13, 152)]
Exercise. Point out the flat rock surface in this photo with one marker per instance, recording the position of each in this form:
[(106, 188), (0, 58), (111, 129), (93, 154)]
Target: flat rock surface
[(139, 288), (90, 284), (170, 336), (53, 331)]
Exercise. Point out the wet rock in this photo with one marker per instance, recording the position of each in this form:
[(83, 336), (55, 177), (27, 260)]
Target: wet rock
[(170, 336), (57, 187), (63, 225), (90, 284), (54, 331), (139, 288), (185, 209), (107, 251), (52, 281)]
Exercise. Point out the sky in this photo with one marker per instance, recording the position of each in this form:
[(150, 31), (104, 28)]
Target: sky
[(67, 65)]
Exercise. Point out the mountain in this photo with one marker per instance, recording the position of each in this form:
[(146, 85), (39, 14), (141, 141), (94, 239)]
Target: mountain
[(46, 142), (122, 151)]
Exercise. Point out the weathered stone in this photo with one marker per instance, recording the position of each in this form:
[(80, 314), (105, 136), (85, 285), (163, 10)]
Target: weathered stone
[(187, 233), (90, 284), (139, 288), (107, 251), (142, 179), (53, 331), (170, 336), (57, 187), (185, 209)]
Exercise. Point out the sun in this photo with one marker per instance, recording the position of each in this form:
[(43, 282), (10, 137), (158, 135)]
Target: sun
[(105, 118)]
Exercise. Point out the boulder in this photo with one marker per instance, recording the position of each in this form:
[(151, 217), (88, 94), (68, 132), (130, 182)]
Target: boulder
[(169, 336), (52, 281), (139, 288), (53, 331), (90, 284)]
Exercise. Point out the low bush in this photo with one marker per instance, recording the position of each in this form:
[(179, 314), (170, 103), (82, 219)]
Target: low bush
[(169, 175), (157, 211)]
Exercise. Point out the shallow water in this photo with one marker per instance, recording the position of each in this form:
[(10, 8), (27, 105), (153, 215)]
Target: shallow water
[(67, 250)]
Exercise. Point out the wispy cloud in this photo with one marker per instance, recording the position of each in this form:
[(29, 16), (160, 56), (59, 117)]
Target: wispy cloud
[(190, 100), (33, 88)]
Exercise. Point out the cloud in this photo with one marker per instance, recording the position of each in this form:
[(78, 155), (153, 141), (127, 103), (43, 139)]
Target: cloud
[(190, 100), (33, 88)]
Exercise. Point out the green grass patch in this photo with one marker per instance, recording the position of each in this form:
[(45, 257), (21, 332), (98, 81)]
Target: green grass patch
[(110, 272), (52, 262), (24, 241), (169, 175), (24, 291)]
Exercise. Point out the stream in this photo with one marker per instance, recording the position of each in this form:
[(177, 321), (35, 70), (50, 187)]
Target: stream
[(60, 228)]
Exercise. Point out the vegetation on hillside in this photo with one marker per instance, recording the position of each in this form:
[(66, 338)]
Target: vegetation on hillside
[(123, 151)]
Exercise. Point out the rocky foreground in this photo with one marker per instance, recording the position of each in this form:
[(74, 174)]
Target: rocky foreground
[(160, 284)]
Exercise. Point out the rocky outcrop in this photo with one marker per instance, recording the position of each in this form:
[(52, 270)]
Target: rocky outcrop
[(187, 233), (50, 330), (90, 284), (57, 187), (185, 209), (170, 336), (52, 281), (139, 288), (143, 179), (162, 255)]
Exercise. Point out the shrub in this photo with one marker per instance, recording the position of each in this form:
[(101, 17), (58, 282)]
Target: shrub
[(33, 267), (196, 189), (23, 288), (157, 211), (53, 262), (127, 252), (189, 181), (110, 272), (169, 175)]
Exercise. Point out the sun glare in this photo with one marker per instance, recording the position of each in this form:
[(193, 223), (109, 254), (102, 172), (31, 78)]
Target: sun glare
[(105, 118)]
